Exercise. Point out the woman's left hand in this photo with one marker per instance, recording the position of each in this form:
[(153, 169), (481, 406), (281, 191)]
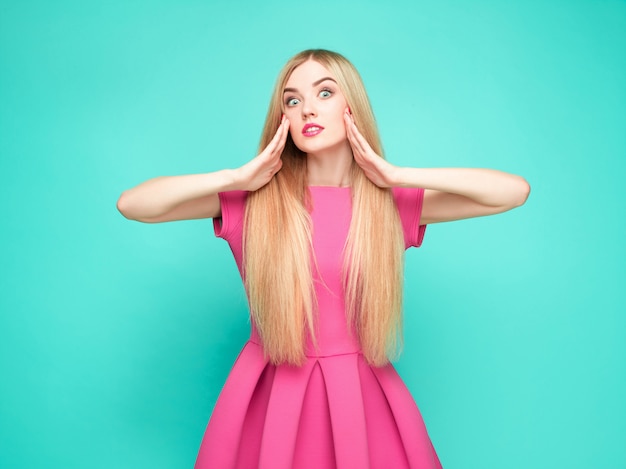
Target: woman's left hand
[(378, 170)]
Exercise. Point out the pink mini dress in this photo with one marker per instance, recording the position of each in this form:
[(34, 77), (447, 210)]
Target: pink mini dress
[(335, 411)]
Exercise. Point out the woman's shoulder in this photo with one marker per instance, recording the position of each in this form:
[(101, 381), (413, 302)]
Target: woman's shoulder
[(409, 201), (234, 197), (408, 196), (232, 210)]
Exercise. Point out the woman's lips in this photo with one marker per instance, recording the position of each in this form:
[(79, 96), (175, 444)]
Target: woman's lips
[(311, 130)]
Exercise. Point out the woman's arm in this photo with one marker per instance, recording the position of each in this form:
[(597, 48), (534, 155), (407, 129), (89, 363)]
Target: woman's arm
[(192, 196), (170, 198), (458, 193), (451, 193)]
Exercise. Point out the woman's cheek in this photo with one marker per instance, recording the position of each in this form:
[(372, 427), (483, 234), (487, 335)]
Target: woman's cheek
[(296, 138)]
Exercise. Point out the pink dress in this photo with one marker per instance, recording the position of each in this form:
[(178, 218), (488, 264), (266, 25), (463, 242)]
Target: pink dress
[(335, 411)]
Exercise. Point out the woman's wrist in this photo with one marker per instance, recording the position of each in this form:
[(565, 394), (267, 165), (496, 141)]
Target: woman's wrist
[(229, 180), (236, 179), (404, 177)]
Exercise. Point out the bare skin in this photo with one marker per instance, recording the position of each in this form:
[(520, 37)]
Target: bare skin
[(450, 193), (195, 196)]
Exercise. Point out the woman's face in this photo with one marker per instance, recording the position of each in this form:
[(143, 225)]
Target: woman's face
[(315, 107)]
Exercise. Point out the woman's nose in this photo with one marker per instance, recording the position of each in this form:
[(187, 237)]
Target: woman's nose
[(308, 110)]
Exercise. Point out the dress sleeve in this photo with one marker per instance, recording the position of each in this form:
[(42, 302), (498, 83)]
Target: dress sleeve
[(230, 222), (409, 201)]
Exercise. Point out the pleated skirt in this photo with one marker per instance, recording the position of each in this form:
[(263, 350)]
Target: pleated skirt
[(334, 412)]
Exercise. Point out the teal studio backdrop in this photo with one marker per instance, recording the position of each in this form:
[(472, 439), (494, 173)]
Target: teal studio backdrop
[(116, 336)]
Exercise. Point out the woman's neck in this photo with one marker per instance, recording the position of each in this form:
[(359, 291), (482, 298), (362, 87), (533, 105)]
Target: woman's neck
[(330, 168)]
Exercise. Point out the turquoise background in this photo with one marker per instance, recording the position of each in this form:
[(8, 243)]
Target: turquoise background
[(116, 337)]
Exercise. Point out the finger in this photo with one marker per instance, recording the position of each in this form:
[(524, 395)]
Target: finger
[(284, 132), (362, 143), (278, 166), (357, 154), (354, 134), (350, 132), (355, 142), (280, 132), (275, 145)]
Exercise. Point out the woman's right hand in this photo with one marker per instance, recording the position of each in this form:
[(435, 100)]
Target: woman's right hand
[(196, 195), (260, 170)]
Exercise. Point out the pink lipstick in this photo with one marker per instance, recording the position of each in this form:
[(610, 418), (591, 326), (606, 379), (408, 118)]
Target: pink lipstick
[(311, 130)]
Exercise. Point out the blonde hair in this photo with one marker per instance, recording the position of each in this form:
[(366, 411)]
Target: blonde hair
[(278, 247)]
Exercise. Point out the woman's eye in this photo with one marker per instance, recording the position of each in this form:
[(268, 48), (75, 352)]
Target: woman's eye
[(326, 93), (292, 101)]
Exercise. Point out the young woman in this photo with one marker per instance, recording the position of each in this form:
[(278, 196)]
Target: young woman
[(318, 224)]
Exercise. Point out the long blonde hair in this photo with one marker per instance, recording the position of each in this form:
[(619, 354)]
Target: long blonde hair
[(277, 240)]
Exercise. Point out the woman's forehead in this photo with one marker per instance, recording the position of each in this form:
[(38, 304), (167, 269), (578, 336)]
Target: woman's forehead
[(308, 73)]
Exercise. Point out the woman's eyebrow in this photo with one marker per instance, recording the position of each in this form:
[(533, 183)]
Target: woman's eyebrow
[(323, 79), (315, 83)]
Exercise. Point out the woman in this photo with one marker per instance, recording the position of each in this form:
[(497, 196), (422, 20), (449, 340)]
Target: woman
[(318, 223)]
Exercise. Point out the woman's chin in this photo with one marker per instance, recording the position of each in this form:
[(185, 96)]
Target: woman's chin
[(312, 147)]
